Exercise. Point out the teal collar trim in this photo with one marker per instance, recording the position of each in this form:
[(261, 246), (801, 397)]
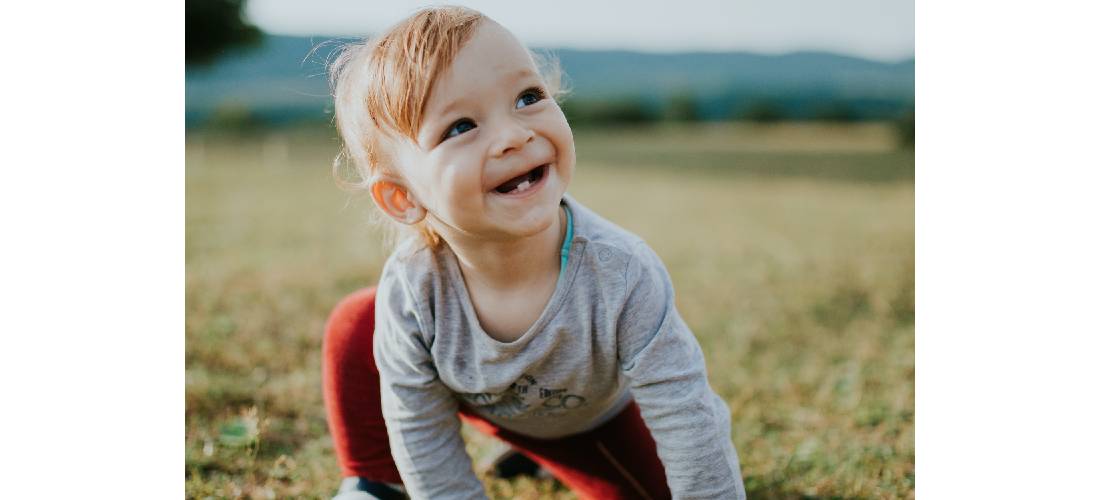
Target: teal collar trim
[(568, 243)]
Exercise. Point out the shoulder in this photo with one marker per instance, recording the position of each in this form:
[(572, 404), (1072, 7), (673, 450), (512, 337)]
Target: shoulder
[(609, 246), (411, 280), (412, 266)]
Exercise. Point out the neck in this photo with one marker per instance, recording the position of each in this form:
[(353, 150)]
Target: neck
[(510, 263)]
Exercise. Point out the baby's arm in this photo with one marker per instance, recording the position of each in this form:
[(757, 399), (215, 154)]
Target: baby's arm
[(665, 365), (420, 412)]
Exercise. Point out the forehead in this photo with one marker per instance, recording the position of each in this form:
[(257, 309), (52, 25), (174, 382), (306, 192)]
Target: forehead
[(491, 57)]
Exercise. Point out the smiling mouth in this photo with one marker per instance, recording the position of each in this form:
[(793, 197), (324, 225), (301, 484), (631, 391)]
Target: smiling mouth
[(521, 183)]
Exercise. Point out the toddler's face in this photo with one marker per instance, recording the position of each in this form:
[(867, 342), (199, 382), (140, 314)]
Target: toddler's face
[(494, 154)]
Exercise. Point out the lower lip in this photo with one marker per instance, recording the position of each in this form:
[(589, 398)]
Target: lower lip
[(537, 186)]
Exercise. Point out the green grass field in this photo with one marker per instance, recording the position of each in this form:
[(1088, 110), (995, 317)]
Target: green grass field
[(790, 246)]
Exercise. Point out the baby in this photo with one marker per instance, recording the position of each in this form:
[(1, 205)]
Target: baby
[(511, 305)]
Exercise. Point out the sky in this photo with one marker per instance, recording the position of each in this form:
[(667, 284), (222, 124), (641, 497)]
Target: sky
[(875, 29)]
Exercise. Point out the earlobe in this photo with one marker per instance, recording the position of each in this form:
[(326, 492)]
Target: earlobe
[(394, 199)]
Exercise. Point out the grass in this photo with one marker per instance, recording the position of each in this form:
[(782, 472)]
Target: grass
[(791, 248)]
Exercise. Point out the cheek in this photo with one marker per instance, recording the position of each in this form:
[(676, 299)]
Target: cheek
[(458, 180), (564, 144), (563, 135)]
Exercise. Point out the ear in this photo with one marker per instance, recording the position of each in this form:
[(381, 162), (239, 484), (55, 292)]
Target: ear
[(395, 200)]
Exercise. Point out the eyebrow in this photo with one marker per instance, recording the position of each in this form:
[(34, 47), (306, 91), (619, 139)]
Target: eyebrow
[(522, 73), (450, 107)]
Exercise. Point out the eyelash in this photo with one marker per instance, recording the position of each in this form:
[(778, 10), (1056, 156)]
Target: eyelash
[(535, 91)]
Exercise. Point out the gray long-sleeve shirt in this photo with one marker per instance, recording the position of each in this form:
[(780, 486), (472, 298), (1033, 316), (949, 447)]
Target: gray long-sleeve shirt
[(610, 333)]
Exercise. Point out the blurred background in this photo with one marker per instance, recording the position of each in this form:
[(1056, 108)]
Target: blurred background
[(763, 149)]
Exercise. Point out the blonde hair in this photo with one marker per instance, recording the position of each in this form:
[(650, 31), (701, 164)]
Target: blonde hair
[(381, 86)]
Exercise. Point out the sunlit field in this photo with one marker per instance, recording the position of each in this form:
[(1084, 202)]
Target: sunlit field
[(790, 246)]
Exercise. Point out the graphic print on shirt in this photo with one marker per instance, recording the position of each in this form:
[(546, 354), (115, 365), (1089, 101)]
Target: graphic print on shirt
[(525, 398)]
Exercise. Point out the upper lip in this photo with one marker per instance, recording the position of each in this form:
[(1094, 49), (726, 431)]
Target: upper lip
[(515, 173)]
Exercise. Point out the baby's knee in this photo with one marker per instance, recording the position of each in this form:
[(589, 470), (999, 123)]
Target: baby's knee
[(351, 321)]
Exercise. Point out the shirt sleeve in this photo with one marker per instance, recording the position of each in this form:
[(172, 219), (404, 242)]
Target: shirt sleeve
[(420, 412), (664, 363)]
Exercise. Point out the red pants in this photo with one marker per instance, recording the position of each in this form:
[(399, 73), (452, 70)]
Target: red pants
[(617, 460)]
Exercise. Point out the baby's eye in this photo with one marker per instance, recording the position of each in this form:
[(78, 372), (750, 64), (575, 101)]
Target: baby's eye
[(460, 127), (529, 97)]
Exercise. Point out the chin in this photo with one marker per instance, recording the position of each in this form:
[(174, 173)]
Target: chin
[(535, 220), (536, 223)]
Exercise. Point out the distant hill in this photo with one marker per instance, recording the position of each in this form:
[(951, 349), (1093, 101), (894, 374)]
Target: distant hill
[(284, 80)]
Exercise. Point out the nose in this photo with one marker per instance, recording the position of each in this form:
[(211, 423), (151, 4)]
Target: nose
[(512, 137)]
